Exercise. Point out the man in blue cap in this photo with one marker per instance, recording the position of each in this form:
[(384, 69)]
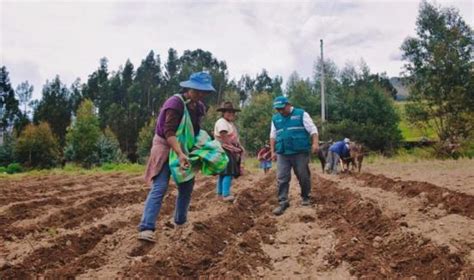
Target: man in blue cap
[(293, 135), (158, 171)]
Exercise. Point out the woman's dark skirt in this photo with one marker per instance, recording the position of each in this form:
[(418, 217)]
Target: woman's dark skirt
[(233, 167)]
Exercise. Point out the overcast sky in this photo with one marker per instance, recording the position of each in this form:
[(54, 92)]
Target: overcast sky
[(39, 39)]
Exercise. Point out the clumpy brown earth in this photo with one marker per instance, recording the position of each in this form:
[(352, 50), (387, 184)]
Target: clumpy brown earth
[(360, 226)]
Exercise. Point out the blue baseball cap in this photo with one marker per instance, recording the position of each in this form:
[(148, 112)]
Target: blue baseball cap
[(200, 81), (280, 102)]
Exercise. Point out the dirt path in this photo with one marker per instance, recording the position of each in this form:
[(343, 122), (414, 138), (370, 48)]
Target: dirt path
[(302, 246), (362, 226)]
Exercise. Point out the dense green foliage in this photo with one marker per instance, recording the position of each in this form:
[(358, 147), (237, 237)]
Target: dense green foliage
[(10, 114), (108, 149), (7, 149), (24, 92), (37, 146), (54, 108), (440, 70), (145, 140), (83, 135), (86, 144), (366, 114), (359, 105), (13, 168), (254, 121)]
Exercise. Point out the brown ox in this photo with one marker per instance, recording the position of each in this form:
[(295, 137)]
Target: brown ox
[(323, 153), (356, 157)]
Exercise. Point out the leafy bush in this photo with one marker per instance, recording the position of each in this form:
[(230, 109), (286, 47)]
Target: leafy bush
[(37, 146), (3, 169), (210, 119), (7, 149), (13, 168), (439, 70), (83, 135), (467, 147), (366, 114), (254, 122), (108, 148), (145, 140)]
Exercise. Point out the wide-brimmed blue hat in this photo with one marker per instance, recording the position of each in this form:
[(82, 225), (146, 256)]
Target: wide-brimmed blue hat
[(280, 102), (200, 81)]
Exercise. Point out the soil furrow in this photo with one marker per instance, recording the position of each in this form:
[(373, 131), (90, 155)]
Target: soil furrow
[(219, 245), (126, 249), (71, 217), (375, 245), (64, 251), (363, 226), (46, 186), (452, 230), (454, 202)]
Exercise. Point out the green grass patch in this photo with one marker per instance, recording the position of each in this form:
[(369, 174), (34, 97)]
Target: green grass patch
[(252, 164), (123, 167), (409, 131), (413, 133), (403, 155)]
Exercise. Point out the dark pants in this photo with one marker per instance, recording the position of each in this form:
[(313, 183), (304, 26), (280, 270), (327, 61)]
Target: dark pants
[(300, 164)]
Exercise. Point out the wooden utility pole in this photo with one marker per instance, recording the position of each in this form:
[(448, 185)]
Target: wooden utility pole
[(323, 104)]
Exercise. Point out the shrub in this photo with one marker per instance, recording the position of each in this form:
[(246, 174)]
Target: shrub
[(108, 148), (3, 169), (254, 122), (13, 168), (37, 146), (83, 135), (145, 140), (366, 114), (7, 149)]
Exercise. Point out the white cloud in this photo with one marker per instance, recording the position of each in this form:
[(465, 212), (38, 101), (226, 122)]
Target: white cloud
[(40, 39)]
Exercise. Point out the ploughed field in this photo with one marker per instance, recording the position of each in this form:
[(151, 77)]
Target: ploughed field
[(359, 226)]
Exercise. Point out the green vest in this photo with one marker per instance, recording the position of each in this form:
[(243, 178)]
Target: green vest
[(291, 135)]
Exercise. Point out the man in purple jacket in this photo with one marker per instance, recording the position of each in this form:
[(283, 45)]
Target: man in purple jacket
[(158, 173)]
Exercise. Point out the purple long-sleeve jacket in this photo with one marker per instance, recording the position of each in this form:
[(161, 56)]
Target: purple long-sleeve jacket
[(171, 113)]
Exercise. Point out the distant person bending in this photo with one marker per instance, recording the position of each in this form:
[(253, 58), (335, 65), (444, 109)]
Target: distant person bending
[(337, 151), (226, 132), (265, 157)]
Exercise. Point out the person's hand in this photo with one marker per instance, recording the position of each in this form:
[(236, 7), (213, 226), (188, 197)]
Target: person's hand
[(274, 156), (183, 161), (315, 148)]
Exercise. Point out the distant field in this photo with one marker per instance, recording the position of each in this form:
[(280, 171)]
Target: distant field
[(409, 131)]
